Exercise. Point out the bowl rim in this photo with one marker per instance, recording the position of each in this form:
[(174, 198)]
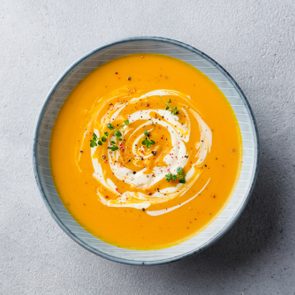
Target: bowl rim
[(157, 261)]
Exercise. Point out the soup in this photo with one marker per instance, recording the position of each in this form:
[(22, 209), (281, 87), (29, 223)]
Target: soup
[(145, 151)]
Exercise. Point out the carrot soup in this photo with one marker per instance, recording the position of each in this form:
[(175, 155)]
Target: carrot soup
[(145, 151)]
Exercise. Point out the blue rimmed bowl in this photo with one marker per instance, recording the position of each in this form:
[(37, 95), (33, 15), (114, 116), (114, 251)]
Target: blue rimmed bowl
[(226, 84)]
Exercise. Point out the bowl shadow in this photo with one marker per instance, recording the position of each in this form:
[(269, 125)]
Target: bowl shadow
[(256, 229)]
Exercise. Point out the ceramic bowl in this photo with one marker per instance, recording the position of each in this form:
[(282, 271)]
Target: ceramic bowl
[(55, 100)]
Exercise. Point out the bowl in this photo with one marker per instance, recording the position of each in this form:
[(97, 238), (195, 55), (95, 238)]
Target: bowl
[(78, 71)]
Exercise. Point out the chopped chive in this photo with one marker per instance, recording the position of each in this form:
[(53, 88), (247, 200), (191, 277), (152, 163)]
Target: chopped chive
[(180, 175), (106, 133), (126, 122), (146, 133), (99, 142), (92, 143), (93, 140), (118, 133), (110, 126), (113, 148), (174, 111), (103, 139)]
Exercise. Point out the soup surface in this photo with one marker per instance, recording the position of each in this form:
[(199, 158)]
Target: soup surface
[(145, 151)]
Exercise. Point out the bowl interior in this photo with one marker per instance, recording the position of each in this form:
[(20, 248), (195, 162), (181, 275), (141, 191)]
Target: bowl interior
[(78, 72)]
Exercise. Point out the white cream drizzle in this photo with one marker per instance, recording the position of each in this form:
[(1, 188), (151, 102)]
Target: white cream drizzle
[(167, 210), (179, 135)]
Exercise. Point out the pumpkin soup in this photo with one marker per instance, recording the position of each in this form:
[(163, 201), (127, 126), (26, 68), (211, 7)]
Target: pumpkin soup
[(145, 151)]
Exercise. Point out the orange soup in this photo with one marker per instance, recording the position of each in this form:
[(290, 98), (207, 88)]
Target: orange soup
[(145, 151)]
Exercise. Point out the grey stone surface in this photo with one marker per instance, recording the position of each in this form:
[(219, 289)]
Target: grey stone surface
[(253, 40)]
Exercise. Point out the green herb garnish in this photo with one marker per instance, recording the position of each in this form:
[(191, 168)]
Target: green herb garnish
[(148, 142), (180, 171), (110, 126), (173, 109), (118, 134), (113, 148), (168, 104), (180, 176), (92, 143), (126, 122), (93, 140), (169, 177)]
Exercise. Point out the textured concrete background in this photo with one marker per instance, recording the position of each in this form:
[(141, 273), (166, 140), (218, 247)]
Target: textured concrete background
[(253, 40)]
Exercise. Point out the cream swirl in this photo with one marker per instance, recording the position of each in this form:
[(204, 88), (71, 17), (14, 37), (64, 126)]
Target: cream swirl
[(147, 178)]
